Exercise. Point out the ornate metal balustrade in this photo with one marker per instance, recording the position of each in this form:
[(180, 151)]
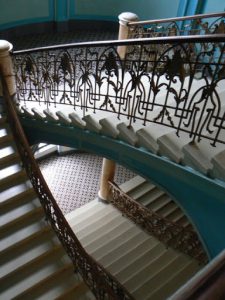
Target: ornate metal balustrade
[(168, 232), (190, 25), (101, 282), (177, 86)]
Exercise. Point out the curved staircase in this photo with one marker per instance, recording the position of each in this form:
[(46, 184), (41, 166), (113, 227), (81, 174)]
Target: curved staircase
[(34, 264)]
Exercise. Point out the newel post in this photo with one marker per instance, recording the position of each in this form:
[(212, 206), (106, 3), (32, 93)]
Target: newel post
[(108, 171), (6, 66), (124, 19)]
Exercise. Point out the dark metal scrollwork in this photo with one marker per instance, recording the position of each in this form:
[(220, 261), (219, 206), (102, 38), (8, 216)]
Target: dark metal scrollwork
[(170, 233), (176, 82)]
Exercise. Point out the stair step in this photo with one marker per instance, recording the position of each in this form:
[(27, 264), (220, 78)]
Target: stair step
[(152, 281), (3, 119), (152, 198), (141, 190), (98, 229), (51, 286), (103, 241), (77, 291), (22, 221), (25, 244), (158, 260), (13, 180), (19, 211), (132, 184), (136, 258), (18, 200), (33, 246), (43, 265), (10, 159), (81, 223), (121, 244), (174, 281), (6, 140)]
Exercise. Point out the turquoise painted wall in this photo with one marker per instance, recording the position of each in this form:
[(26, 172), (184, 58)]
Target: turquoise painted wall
[(19, 12), (213, 6), (151, 9)]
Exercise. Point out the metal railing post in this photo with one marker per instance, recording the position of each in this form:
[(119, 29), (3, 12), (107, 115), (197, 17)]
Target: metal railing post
[(124, 19), (108, 171), (6, 66)]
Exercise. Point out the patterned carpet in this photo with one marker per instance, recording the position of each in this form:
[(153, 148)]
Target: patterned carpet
[(74, 178)]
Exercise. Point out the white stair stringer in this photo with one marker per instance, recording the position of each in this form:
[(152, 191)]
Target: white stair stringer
[(138, 260), (34, 265)]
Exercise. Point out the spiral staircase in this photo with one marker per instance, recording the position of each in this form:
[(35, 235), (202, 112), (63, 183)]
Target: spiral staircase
[(123, 258)]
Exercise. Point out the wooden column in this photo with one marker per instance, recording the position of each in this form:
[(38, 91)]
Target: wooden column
[(6, 66), (124, 19), (108, 171)]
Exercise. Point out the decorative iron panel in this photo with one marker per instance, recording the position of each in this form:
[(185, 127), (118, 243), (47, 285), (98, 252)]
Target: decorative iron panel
[(190, 25), (168, 232), (175, 82)]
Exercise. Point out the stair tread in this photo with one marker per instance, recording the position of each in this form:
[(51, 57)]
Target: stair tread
[(60, 279), (174, 281), (43, 265), (17, 200), (13, 179), (151, 282), (9, 159), (136, 258)]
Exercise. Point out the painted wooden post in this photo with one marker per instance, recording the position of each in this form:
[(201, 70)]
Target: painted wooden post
[(124, 19), (108, 171), (6, 66)]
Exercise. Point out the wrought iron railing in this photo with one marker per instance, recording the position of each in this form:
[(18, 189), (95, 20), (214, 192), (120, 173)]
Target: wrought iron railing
[(101, 282), (190, 25), (173, 81), (166, 231)]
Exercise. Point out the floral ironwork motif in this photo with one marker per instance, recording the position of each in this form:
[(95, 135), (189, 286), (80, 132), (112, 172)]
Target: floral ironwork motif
[(177, 86), (170, 233), (101, 282), (190, 25)]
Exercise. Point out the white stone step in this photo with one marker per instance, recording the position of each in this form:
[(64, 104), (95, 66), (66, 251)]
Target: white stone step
[(175, 279), (51, 286), (218, 162), (8, 160), (129, 253), (13, 180), (132, 184), (148, 136), (122, 240), (6, 140), (172, 146), (135, 259), (19, 210), (18, 200), (200, 156), (176, 263), (42, 266)]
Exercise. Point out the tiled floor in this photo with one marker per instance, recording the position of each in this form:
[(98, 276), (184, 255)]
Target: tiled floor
[(74, 178)]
